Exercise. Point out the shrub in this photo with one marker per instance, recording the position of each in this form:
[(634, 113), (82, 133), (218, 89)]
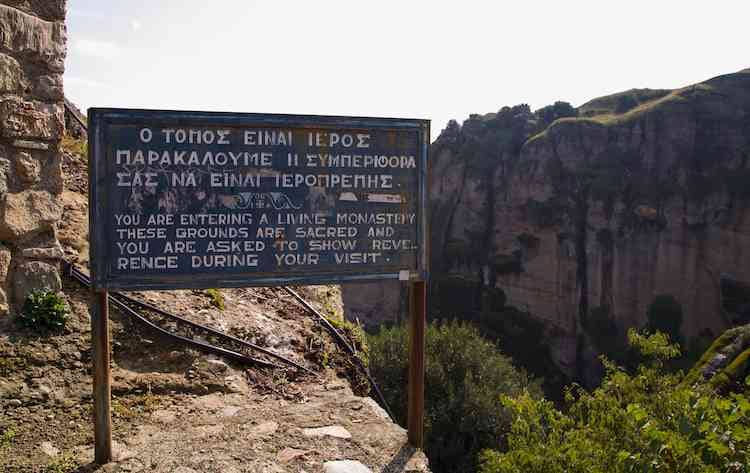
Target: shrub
[(6, 438), (65, 463), (75, 146), (641, 422), (465, 376), (44, 310)]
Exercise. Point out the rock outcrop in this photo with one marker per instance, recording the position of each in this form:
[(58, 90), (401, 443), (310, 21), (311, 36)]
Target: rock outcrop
[(32, 60), (640, 194), (726, 364), (578, 218)]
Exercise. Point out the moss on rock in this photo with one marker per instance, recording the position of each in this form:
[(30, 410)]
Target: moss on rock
[(726, 361)]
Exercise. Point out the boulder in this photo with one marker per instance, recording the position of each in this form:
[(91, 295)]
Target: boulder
[(5, 257), (30, 144), (54, 252), (35, 276), (12, 79), (49, 87), (27, 168), (53, 10), (33, 39), (4, 176), (28, 213), (336, 431), (31, 119), (726, 363)]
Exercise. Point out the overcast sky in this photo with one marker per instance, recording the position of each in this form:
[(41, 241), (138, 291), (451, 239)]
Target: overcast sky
[(403, 58)]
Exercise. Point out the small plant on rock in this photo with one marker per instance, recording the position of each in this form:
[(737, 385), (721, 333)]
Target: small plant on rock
[(44, 310), (216, 298), (74, 145), (7, 436), (65, 463)]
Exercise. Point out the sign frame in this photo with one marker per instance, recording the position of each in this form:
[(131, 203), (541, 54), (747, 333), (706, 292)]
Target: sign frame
[(100, 118)]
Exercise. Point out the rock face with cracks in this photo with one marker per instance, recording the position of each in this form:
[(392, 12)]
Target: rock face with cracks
[(32, 58), (562, 212)]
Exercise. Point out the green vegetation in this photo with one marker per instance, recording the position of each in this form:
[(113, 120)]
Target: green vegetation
[(44, 310), (550, 113), (64, 463), (466, 374), (355, 335), (621, 102), (74, 145), (641, 422), (131, 407), (726, 363), (216, 298), (322, 351), (7, 436)]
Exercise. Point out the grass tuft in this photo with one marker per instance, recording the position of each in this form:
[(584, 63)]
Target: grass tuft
[(216, 298)]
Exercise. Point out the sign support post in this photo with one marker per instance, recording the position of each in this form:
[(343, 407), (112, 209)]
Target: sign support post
[(102, 378), (417, 323)]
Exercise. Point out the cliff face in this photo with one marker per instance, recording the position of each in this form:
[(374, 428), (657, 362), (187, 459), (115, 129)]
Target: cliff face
[(590, 217)]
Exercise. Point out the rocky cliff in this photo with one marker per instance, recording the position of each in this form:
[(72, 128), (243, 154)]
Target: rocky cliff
[(32, 60), (578, 218), (557, 229)]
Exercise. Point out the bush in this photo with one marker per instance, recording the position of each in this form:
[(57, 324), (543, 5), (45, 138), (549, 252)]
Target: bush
[(44, 310), (216, 298), (647, 421), (465, 376), (75, 146)]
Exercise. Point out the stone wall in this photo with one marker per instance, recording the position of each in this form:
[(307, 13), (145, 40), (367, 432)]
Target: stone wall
[(32, 61)]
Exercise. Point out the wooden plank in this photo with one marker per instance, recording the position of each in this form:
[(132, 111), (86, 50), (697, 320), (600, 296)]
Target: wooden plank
[(102, 377), (417, 328)]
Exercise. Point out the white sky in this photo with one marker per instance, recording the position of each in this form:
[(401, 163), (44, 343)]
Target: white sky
[(404, 58)]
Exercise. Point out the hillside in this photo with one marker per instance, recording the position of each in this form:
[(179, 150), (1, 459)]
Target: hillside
[(176, 409), (557, 229)]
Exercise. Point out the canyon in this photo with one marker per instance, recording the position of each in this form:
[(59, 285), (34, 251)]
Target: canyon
[(548, 225)]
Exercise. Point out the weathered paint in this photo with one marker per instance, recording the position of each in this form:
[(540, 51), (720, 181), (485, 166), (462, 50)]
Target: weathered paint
[(228, 185)]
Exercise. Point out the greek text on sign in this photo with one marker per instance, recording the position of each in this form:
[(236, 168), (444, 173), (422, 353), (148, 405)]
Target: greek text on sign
[(194, 199)]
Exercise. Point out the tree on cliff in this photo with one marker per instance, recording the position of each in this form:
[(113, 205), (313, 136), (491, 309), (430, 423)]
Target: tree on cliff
[(546, 115)]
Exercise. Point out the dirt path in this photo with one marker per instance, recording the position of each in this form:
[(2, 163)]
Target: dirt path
[(178, 410), (242, 432)]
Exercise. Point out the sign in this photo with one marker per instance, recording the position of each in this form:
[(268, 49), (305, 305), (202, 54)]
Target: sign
[(199, 199)]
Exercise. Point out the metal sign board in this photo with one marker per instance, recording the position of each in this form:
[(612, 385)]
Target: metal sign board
[(205, 199)]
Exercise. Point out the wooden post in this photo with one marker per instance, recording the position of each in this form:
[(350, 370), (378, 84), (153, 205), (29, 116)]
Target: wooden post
[(417, 322), (102, 391)]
